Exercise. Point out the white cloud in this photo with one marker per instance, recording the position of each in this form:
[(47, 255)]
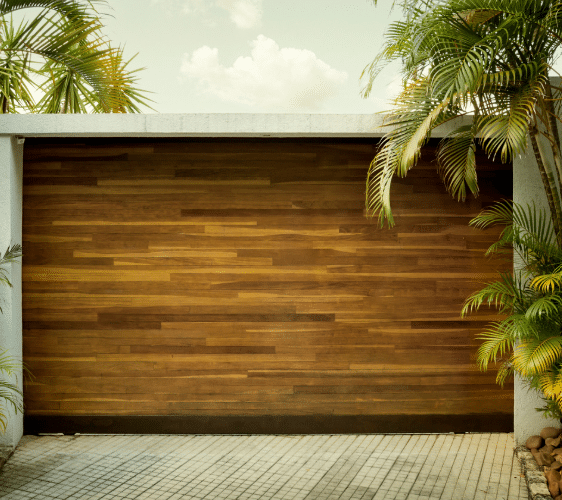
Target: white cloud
[(271, 79), (243, 13)]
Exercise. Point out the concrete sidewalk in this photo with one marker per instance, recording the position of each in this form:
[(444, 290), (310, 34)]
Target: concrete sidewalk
[(347, 467)]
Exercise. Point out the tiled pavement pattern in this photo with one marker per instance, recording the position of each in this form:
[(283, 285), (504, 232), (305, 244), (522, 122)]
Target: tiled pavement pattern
[(322, 467)]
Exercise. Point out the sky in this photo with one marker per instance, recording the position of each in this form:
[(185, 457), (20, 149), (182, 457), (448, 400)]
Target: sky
[(255, 56)]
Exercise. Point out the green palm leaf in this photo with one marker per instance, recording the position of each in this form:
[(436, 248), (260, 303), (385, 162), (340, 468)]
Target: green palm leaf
[(10, 394), (492, 58), (15, 80), (461, 55), (550, 384), (502, 294), (400, 150), (504, 122), (500, 213), (457, 162), (78, 61), (533, 356), (505, 371), (548, 283), (498, 339), (70, 8), (10, 256), (495, 81), (544, 307), (528, 229)]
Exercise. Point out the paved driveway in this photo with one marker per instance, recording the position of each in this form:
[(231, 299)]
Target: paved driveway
[(171, 467)]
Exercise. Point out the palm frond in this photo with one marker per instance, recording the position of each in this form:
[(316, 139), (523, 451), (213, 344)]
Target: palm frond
[(398, 34), (534, 356), (71, 9), (81, 71), (404, 42), (126, 97), (10, 256), (504, 123), (8, 364), (400, 149), (550, 384), (9, 397), (505, 371), (504, 244), (65, 92), (15, 80), (500, 213), (544, 307), (457, 162), (501, 294), (461, 55), (10, 393), (498, 80), (528, 229), (498, 339), (493, 57), (379, 181), (548, 283), (534, 222)]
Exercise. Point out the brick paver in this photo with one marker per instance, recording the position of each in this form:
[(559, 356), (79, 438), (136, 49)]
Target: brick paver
[(307, 467)]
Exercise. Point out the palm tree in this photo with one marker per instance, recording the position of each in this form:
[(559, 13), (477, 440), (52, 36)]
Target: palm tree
[(527, 340), (62, 54), (489, 59)]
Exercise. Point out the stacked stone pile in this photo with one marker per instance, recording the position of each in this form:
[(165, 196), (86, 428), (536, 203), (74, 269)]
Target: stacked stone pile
[(547, 450)]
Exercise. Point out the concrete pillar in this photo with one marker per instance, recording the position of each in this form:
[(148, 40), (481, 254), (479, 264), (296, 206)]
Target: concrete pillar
[(528, 189), (11, 180)]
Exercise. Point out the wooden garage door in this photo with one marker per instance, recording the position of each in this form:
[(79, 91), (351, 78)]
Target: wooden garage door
[(189, 279)]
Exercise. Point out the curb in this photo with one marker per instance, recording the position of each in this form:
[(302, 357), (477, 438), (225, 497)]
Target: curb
[(5, 453), (534, 475)]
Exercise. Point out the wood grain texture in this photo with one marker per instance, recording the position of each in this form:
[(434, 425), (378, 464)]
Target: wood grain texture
[(240, 277)]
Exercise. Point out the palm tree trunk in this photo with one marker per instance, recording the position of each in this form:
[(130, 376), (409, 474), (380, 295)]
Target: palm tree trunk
[(549, 183), (552, 114), (552, 127)]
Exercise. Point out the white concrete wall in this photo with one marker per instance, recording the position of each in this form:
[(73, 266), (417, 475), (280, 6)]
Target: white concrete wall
[(201, 125), (193, 125), (11, 233)]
